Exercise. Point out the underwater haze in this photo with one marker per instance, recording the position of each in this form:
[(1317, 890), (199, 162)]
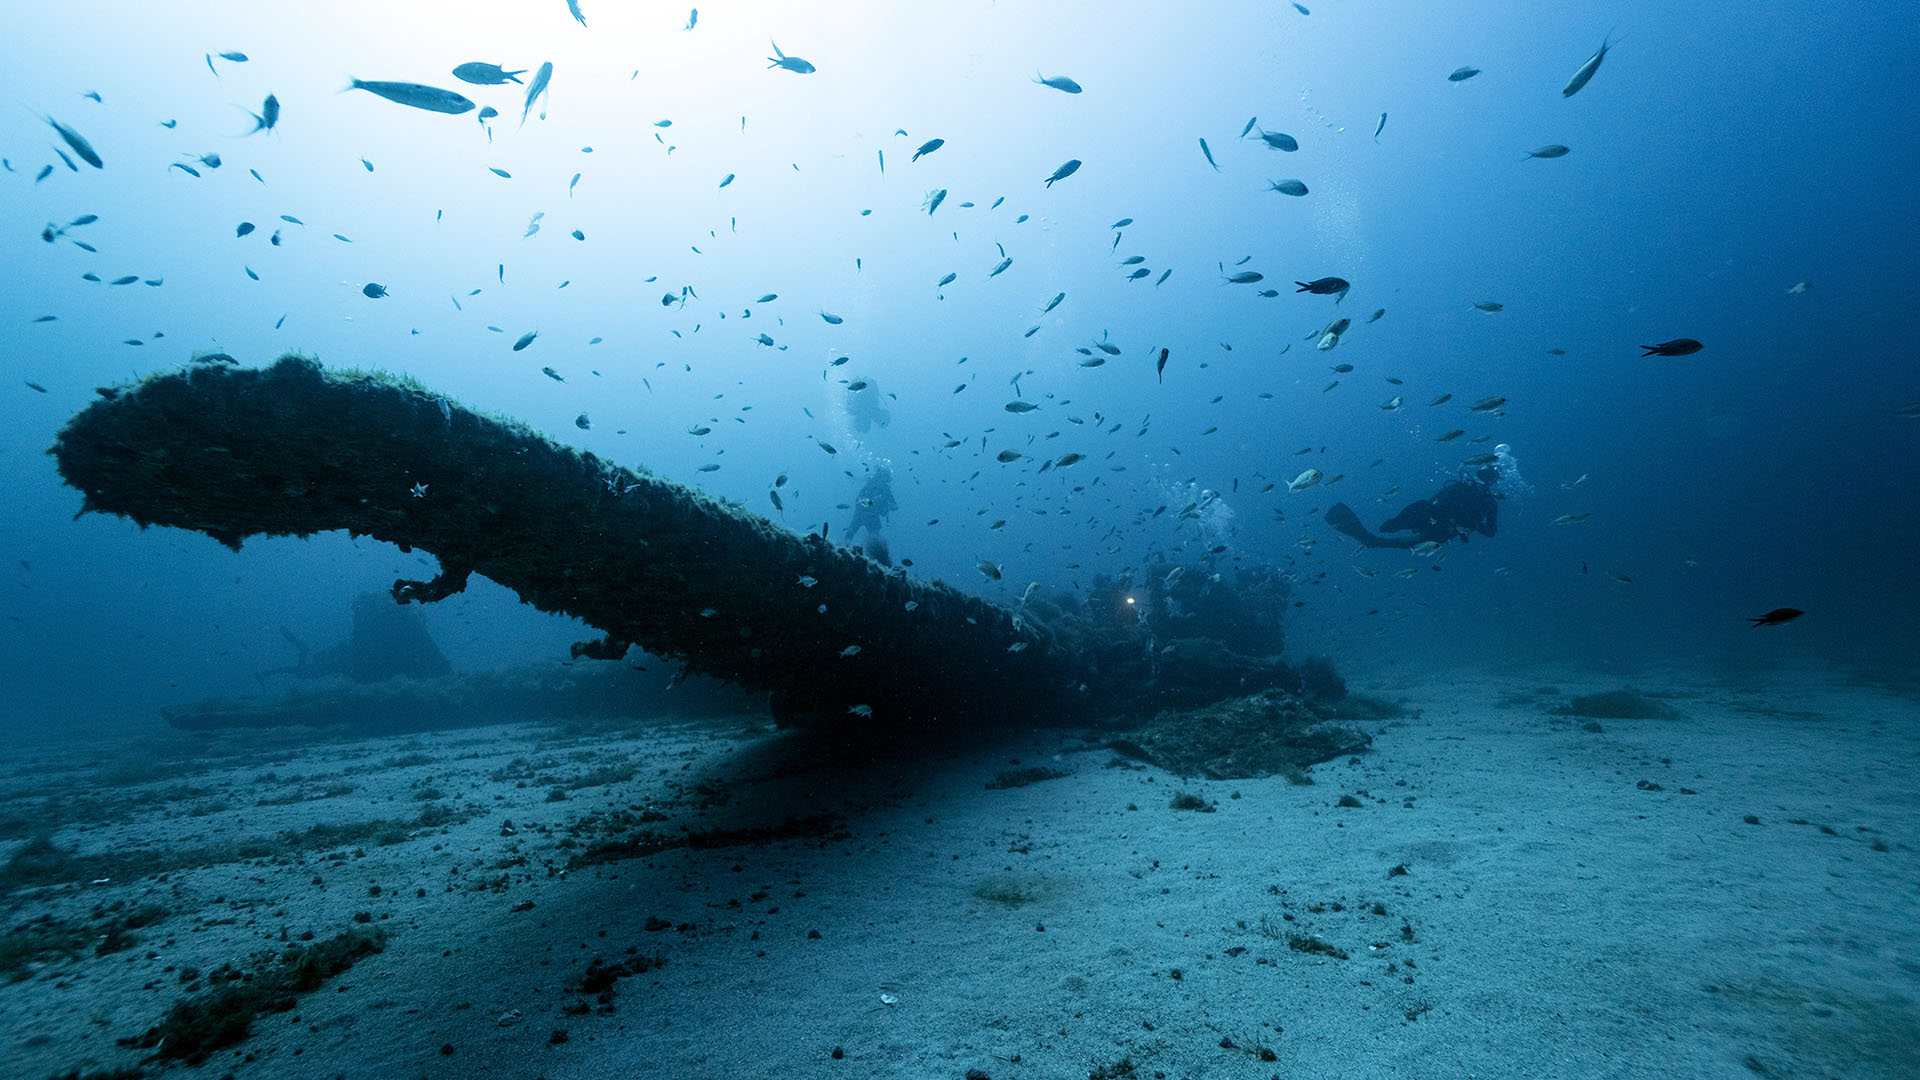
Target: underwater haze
[(1351, 538), (715, 231)]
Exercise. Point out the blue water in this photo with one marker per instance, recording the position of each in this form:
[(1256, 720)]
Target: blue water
[(1721, 154)]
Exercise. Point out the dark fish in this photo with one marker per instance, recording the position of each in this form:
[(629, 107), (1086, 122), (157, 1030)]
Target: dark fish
[(1058, 82), (430, 98), (1164, 275), (1064, 171), (1250, 122), (1777, 617), (487, 112), (1004, 263), (1326, 286), (481, 74), (1685, 346), (1287, 187), (188, 169), (373, 290), (573, 8), (1301, 10), (551, 374), (1462, 74), (949, 279), (236, 57), (790, 63), (1553, 151), (1053, 303), (1245, 277), (1138, 274), (1121, 224), (934, 199), (1160, 367), (80, 145), (1276, 140), (31, 385), (1587, 69), (526, 339), (693, 18), (539, 86), (127, 280), (727, 179), (582, 422), (268, 116), (1205, 149), (926, 148), (831, 319), (243, 228), (1381, 128), (501, 173)]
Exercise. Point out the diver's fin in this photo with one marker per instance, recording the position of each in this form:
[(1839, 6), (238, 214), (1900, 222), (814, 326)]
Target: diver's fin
[(1342, 519)]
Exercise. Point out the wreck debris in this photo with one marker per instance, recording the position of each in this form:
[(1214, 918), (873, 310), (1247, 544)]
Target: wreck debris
[(293, 449)]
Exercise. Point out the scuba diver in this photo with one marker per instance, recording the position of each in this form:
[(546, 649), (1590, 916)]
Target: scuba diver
[(1456, 511), (871, 509), (864, 407)]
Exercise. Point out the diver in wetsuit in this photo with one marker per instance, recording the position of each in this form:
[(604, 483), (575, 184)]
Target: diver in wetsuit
[(1456, 511), (871, 509)]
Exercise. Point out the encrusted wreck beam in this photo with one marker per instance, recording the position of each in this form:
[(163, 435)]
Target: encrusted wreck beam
[(293, 449)]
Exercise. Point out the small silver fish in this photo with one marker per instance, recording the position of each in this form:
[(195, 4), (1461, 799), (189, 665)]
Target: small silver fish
[(79, 144), (1587, 69), (534, 89), (481, 74), (790, 63)]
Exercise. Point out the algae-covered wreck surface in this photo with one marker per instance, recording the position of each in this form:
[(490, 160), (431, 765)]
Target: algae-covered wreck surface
[(293, 449)]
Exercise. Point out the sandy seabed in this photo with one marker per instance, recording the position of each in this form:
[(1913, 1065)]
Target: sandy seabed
[(1729, 891)]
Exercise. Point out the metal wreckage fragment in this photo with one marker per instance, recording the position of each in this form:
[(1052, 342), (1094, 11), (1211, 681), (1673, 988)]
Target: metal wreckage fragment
[(294, 449)]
